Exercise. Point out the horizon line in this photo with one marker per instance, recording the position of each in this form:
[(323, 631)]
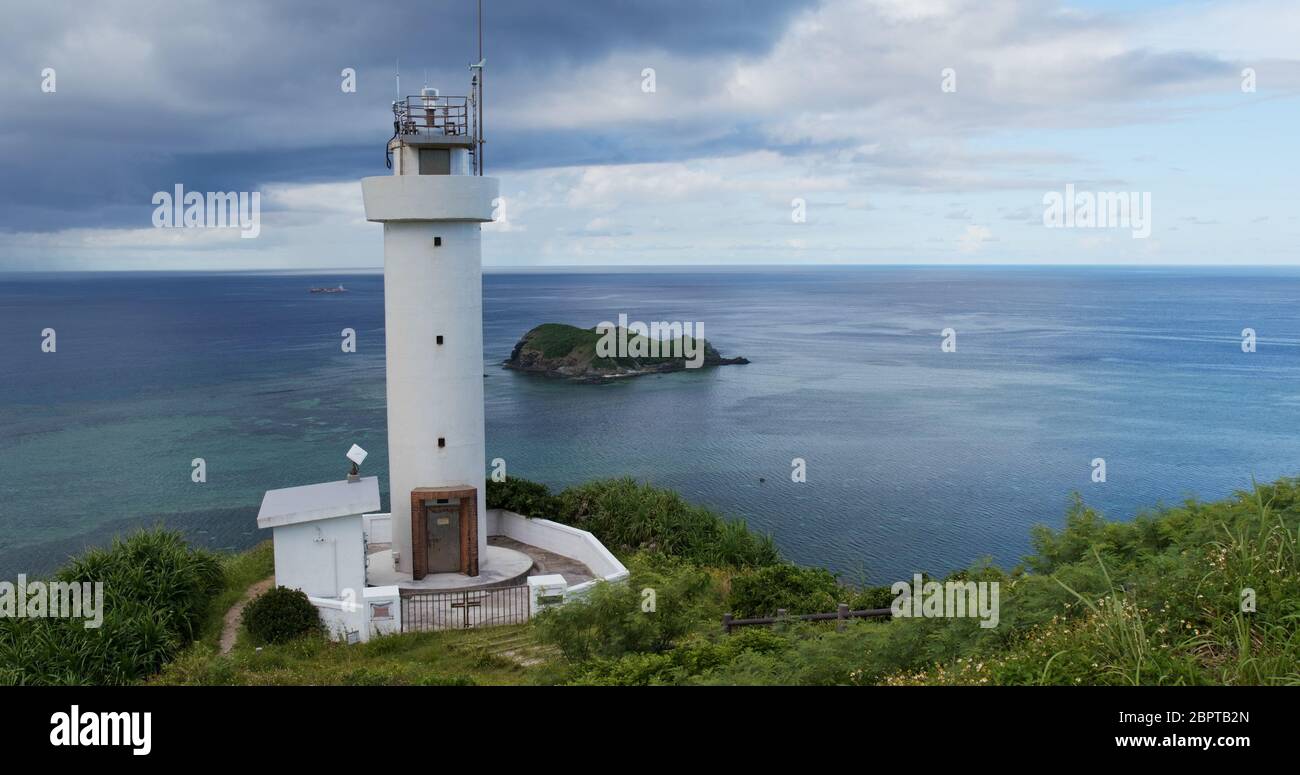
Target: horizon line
[(533, 268)]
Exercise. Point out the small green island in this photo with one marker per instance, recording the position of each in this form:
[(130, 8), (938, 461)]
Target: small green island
[(568, 352)]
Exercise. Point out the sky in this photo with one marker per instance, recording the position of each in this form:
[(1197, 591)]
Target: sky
[(793, 132)]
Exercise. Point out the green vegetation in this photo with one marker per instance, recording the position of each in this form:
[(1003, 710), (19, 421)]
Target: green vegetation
[(630, 517), (524, 497), (280, 615), (1158, 600), (556, 340), (797, 590), (156, 593), (618, 619), (560, 350), (239, 572), (1204, 593), (493, 656)]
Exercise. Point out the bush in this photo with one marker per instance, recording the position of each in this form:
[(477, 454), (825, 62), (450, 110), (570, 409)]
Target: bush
[(798, 590), (616, 618), (631, 517), (696, 656), (628, 516), (532, 499), (280, 615), (1158, 600), (156, 591)]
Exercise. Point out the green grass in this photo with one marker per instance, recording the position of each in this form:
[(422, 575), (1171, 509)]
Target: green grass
[(242, 570), (460, 657), (1157, 599)]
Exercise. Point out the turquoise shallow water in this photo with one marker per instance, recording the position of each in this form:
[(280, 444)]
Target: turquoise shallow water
[(917, 459)]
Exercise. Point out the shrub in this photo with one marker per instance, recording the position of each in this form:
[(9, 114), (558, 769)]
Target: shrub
[(764, 591), (156, 590), (280, 615), (696, 656), (628, 516), (631, 517), (799, 590), (613, 619), (532, 499)]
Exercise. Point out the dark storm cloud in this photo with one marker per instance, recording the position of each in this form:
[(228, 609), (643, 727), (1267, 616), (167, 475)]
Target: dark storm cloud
[(227, 95)]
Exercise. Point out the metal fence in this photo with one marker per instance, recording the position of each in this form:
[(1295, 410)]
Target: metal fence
[(840, 616), (424, 611), (438, 115)]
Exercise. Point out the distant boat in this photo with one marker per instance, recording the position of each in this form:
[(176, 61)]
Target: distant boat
[(339, 289)]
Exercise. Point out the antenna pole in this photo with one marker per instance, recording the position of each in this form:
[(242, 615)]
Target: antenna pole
[(479, 155)]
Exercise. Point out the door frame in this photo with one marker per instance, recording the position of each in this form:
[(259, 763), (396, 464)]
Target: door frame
[(468, 497)]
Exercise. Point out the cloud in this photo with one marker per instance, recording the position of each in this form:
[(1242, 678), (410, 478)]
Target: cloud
[(974, 238), (835, 101)]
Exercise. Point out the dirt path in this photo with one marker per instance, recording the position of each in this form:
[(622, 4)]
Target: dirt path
[(230, 625)]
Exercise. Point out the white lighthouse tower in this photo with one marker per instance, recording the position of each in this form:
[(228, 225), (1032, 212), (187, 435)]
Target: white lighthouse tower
[(431, 208)]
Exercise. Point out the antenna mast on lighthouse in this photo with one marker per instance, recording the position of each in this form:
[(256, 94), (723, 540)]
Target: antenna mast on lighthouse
[(477, 91)]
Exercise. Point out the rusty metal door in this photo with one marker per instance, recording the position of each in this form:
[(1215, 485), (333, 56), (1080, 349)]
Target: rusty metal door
[(444, 539)]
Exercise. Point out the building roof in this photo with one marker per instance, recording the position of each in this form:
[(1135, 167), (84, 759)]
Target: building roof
[(318, 501)]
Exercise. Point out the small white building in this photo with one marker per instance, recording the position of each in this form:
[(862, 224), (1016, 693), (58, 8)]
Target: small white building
[(320, 547)]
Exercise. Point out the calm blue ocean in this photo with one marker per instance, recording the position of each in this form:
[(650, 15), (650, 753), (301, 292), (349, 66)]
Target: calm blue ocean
[(917, 459)]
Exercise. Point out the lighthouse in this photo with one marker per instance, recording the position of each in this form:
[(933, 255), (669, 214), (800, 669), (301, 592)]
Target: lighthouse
[(430, 562), (432, 206)]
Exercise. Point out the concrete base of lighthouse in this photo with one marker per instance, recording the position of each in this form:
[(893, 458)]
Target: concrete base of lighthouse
[(501, 567)]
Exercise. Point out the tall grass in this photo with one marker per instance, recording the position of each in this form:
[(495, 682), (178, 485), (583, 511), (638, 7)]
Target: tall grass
[(156, 594)]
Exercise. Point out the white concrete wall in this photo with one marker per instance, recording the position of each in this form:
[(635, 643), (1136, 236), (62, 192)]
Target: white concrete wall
[(341, 617), (378, 527), (414, 197), (362, 618), (324, 558), (546, 591), (569, 541), (579, 591), (377, 599)]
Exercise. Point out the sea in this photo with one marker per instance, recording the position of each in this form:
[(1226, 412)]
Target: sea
[(915, 457)]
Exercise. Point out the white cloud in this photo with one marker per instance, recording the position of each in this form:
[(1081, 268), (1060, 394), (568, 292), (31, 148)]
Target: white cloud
[(974, 238)]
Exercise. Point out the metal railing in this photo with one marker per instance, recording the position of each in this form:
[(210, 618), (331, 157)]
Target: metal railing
[(425, 611), (840, 616), (428, 114)]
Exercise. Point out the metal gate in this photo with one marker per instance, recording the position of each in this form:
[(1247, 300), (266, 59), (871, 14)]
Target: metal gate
[(424, 611)]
